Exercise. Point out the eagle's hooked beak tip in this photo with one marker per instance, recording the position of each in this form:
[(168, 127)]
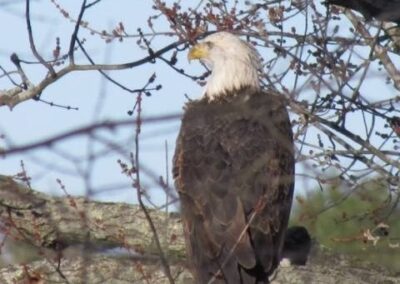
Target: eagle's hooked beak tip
[(190, 55), (198, 51)]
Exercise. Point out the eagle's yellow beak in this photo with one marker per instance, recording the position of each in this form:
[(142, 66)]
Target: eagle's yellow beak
[(198, 51)]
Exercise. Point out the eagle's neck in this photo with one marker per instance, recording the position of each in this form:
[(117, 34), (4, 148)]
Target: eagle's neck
[(230, 75)]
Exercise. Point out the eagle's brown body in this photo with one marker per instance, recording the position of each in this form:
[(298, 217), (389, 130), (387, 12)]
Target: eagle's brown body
[(234, 171)]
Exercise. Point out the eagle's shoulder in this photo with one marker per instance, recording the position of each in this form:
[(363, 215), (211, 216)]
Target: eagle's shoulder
[(242, 124), (264, 100)]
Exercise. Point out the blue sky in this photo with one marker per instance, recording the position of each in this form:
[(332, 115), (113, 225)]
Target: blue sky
[(33, 121)]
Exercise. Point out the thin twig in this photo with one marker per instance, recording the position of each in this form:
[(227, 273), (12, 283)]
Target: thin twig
[(153, 229), (74, 35), (32, 42)]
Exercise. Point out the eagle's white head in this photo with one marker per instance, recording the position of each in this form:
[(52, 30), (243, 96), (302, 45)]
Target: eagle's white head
[(234, 64)]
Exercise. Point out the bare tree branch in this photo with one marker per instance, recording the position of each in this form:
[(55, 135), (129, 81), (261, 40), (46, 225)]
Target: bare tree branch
[(16, 95), (110, 125)]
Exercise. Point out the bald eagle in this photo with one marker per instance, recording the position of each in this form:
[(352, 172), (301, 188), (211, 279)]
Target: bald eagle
[(234, 168)]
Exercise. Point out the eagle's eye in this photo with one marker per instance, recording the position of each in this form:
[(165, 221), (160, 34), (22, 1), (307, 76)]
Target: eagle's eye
[(209, 44)]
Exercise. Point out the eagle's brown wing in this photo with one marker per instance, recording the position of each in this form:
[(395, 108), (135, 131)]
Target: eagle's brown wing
[(234, 166)]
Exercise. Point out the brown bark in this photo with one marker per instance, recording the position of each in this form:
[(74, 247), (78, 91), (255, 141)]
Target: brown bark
[(52, 222)]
